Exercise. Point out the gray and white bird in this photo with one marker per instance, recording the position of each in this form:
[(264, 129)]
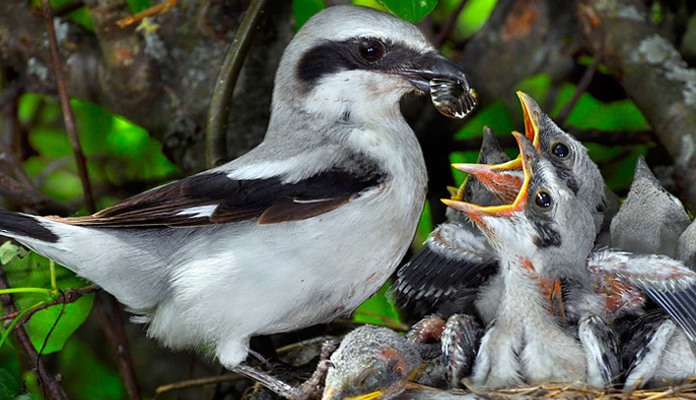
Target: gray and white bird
[(299, 230), (650, 220), (571, 162), (686, 247), (660, 346), (542, 241)]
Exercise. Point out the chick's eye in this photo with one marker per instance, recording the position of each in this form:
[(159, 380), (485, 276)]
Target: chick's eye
[(560, 150), (542, 199), (371, 50)]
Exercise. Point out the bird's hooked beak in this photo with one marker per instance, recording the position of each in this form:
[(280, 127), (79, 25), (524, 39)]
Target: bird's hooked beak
[(449, 88), (434, 66), (478, 214), (532, 113)]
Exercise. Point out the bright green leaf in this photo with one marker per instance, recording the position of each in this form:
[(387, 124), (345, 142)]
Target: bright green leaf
[(425, 226), (496, 116), (410, 10), (9, 251), (50, 142), (302, 10), (376, 4), (33, 270), (536, 86), (474, 14), (63, 185), (68, 319), (377, 309)]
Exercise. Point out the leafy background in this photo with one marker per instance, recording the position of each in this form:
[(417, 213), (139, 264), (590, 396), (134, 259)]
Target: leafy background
[(124, 159)]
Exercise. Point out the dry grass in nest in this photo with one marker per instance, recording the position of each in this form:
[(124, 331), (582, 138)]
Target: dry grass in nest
[(569, 391)]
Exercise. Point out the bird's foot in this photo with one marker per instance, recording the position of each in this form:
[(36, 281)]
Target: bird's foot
[(307, 390), (460, 342), (428, 329), (312, 386)]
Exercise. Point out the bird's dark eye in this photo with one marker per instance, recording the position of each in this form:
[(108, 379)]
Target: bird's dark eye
[(468, 193), (371, 50), (542, 199), (560, 150)]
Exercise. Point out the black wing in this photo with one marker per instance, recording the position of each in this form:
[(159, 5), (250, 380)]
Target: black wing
[(681, 307), (446, 272), (213, 198)]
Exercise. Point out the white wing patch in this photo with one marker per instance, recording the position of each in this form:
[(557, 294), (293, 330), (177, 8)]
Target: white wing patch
[(198, 212)]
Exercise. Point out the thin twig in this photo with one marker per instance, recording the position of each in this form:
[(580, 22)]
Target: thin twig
[(447, 28), (113, 328), (68, 296), (580, 89), (191, 383), (162, 7), (51, 387), (68, 117), (221, 102)]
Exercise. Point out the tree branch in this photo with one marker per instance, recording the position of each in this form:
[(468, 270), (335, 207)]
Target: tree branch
[(221, 103), (68, 116), (653, 74)]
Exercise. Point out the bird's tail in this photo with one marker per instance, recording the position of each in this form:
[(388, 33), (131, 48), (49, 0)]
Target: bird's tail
[(20, 226)]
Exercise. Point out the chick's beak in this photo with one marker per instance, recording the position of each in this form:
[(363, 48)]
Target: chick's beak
[(479, 214), (368, 396), (502, 179), (532, 113)]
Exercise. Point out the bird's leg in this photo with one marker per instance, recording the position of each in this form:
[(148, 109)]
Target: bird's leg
[(601, 346), (428, 329), (269, 381), (649, 357), (308, 389), (312, 385), (460, 342)]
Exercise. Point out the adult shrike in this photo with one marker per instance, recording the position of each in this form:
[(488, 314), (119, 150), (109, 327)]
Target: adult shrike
[(298, 231)]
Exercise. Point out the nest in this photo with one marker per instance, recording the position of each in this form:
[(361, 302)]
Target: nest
[(575, 391)]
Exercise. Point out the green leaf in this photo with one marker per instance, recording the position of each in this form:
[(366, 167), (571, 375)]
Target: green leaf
[(425, 226), (135, 6), (303, 10), (496, 116), (377, 309), (470, 20), (9, 385), (474, 14), (376, 4), (9, 251), (410, 10), (33, 271)]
